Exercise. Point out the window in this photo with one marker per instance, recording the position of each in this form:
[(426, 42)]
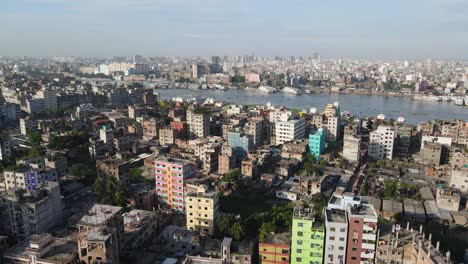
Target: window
[(299, 233), (341, 239), (284, 251), (298, 259), (300, 224), (332, 229), (299, 250)]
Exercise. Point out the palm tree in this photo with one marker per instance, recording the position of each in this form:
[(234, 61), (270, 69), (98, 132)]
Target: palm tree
[(237, 231)]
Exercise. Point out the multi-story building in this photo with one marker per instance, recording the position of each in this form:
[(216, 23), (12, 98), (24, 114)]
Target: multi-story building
[(333, 128), (5, 147), (255, 128), (317, 143), (201, 208), (50, 100), (150, 128), (106, 134), (198, 124), (167, 136), (459, 174), (352, 148), (225, 163), (362, 233), (57, 160), (431, 153), (336, 230), (43, 249), (307, 239), (381, 142), (139, 227), (290, 130), (113, 167), (240, 142), (100, 234), (275, 248), (171, 175), (29, 179), (448, 199), (31, 212)]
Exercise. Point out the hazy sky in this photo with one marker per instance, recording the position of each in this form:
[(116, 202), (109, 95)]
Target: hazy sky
[(348, 28)]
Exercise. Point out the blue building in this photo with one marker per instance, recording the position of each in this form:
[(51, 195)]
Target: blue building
[(240, 142), (317, 143)]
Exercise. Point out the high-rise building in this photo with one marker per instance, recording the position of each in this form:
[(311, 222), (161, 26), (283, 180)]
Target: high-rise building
[(352, 148), (381, 142), (201, 208), (50, 100), (289, 130), (5, 147), (317, 143), (198, 123), (240, 142), (362, 233), (336, 227), (307, 239), (171, 175)]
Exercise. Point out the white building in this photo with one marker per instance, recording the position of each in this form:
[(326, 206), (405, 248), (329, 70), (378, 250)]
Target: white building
[(381, 142), (333, 128), (459, 174), (352, 148), (286, 131), (336, 231)]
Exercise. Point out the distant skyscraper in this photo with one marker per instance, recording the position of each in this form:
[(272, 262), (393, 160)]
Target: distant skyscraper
[(216, 60)]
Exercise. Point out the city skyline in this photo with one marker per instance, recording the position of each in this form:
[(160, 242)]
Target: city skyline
[(361, 29)]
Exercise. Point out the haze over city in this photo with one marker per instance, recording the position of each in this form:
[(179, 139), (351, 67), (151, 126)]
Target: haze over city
[(358, 29)]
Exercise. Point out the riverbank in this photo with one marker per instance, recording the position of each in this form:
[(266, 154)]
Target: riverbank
[(357, 104)]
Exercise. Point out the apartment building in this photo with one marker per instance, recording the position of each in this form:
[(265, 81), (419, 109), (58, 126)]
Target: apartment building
[(201, 208), (29, 212), (459, 173), (381, 142), (290, 130), (336, 230), (352, 148), (198, 124), (362, 233), (275, 248), (317, 143), (29, 179), (171, 175), (308, 237)]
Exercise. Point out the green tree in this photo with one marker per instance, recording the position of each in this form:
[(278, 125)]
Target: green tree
[(237, 231)]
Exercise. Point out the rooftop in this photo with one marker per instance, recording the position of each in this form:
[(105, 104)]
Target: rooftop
[(362, 210), (335, 216), (303, 213), (278, 239), (135, 219), (100, 233), (99, 214)]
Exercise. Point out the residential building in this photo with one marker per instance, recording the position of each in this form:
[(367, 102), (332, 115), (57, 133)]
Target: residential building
[(459, 173), (27, 212), (99, 245), (431, 153), (448, 199), (294, 150), (198, 124), (171, 175), (50, 100), (241, 143), (5, 147), (275, 248), (317, 143), (307, 239), (113, 167), (336, 231), (352, 148), (201, 208), (167, 136), (286, 131), (381, 142), (139, 227), (362, 233), (29, 179), (43, 249)]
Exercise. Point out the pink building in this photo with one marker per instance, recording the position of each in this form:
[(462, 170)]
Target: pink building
[(171, 175), (252, 78)]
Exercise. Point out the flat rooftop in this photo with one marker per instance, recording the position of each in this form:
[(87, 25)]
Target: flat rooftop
[(362, 210), (303, 212), (100, 233), (278, 239), (99, 214), (135, 219), (60, 250), (335, 215)]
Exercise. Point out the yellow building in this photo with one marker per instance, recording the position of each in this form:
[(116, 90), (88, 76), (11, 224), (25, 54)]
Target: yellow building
[(201, 208), (275, 249)]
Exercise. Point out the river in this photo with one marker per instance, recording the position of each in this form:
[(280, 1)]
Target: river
[(360, 105)]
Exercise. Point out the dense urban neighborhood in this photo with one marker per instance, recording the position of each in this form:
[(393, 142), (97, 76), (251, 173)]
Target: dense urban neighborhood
[(97, 167)]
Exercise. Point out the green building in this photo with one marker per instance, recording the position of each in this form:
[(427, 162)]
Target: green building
[(307, 238), (317, 143)]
